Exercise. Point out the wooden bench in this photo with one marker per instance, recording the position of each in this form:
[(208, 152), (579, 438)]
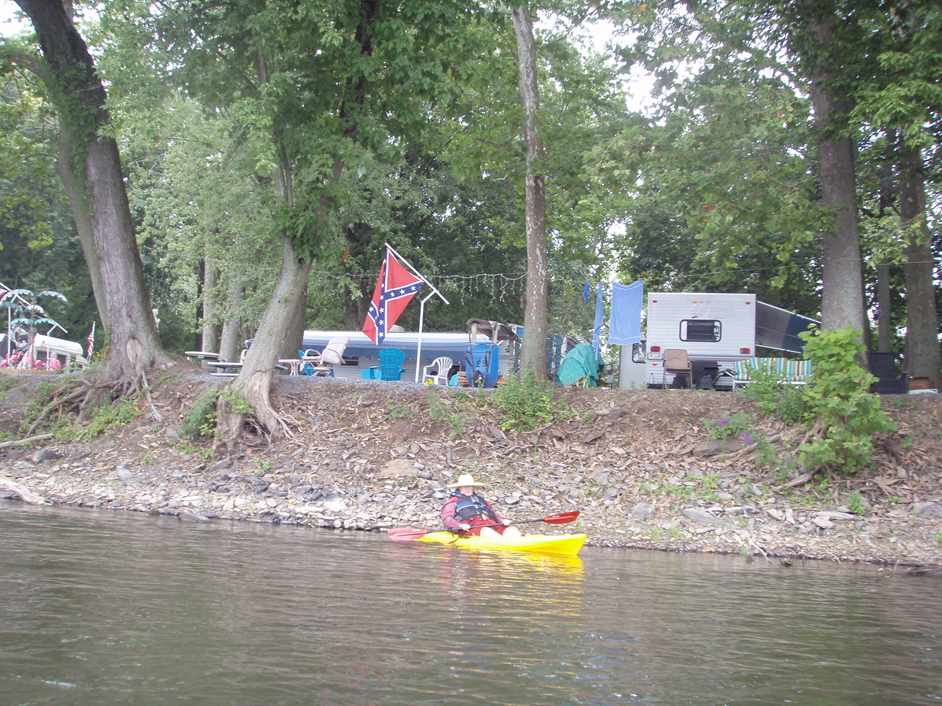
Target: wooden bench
[(788, 370)]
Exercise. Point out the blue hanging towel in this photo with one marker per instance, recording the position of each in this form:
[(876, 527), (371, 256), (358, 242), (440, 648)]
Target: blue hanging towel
[(599, 316), (624, 327), (586, 292)]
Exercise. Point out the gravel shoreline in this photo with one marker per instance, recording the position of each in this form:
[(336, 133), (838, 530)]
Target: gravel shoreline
[(372, 457)]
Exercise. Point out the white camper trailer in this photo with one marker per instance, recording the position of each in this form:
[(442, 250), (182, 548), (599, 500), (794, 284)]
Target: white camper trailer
[(715, 330), (64, 352)]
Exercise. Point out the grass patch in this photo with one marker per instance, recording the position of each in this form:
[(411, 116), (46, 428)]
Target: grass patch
[(855, 503), (43, 392), (117, 414), (186, 447), (452, 415), (7, 383), (398, 410)]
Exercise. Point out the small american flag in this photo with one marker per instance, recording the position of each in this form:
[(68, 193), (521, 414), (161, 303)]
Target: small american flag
[(395, 288), (90, 342)]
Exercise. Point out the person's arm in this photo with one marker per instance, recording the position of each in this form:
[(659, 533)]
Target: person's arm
[(448, 515), (497, 515)]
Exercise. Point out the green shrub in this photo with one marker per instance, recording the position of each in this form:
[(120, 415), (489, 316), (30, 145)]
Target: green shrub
[(840, 407), (774, 397), (7, 383), (726, 428), (236, 402), (200, 421), (855, 503), (40, 397), (397, 410), (440, 411), (526, 403)]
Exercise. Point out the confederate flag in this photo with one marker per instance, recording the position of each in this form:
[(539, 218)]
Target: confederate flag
[(395, 288)]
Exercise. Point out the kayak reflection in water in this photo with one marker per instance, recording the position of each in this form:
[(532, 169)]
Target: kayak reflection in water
[(466, 512)]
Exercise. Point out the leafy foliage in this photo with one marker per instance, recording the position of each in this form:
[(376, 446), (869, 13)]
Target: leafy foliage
[(117, 414), (736, 424), (774, 397), (525, 403), (840, 405), (200, 420)]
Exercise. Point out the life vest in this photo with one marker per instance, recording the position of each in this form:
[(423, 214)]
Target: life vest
[(469, 507)]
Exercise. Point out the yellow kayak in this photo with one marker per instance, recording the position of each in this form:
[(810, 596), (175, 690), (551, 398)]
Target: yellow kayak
[(561, 544)]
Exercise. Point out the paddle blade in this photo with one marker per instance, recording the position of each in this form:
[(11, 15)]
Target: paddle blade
[(561, 518), (406, 534)]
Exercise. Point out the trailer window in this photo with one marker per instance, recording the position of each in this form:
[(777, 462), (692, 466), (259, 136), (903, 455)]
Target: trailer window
[(701, 330)]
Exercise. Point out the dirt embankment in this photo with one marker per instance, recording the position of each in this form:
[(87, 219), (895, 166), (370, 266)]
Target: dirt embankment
[(644, 468)]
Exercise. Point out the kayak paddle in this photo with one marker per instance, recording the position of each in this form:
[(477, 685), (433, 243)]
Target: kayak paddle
[(409, 534)]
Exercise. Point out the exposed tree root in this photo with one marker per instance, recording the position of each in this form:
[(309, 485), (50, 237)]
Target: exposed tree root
[(252, 420), (84, 396), (61, 402), (25, 442), (795, 482)]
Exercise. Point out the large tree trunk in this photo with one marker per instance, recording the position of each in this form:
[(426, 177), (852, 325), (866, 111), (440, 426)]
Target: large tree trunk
[(842, 301), (922, 344), (210, 339), (533, 355), (80, 100), (78, 204), (231, 344), (287, 304), (254, 382), (294, 332)]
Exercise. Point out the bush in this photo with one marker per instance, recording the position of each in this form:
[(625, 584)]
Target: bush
[(200, 421), (727, 428), (526, 403), (117, 414), (453, 415), (840, 408), (776, 398)]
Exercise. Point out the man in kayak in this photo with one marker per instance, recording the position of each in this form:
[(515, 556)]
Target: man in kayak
[(466, 512)]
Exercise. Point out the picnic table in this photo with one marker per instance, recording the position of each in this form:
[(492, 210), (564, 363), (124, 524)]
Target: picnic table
[(225, 369), (201, 356)]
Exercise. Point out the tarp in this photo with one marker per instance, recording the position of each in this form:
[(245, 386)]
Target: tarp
[(624, 326), (581, 362)]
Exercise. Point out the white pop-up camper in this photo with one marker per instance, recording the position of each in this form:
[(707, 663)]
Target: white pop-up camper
[(715, 330), (64, 352)]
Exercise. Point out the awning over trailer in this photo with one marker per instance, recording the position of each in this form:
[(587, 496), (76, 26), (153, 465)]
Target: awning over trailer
[(778, 328)]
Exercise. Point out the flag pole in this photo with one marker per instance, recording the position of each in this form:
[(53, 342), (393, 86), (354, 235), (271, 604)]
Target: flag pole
[(418, 349), (416, 273)]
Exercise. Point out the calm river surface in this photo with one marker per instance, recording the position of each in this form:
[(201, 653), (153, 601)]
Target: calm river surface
[(98, 608)]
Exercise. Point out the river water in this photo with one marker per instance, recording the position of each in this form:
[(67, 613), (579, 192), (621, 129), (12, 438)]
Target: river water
[(99, 608)]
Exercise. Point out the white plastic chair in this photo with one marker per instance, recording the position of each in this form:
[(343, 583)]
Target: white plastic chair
[(441, 366)]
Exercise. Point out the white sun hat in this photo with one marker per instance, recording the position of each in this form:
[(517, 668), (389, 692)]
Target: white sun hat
[(466, 480)]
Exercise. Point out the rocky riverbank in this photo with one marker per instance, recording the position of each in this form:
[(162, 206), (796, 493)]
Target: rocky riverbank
[(645, 468)]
